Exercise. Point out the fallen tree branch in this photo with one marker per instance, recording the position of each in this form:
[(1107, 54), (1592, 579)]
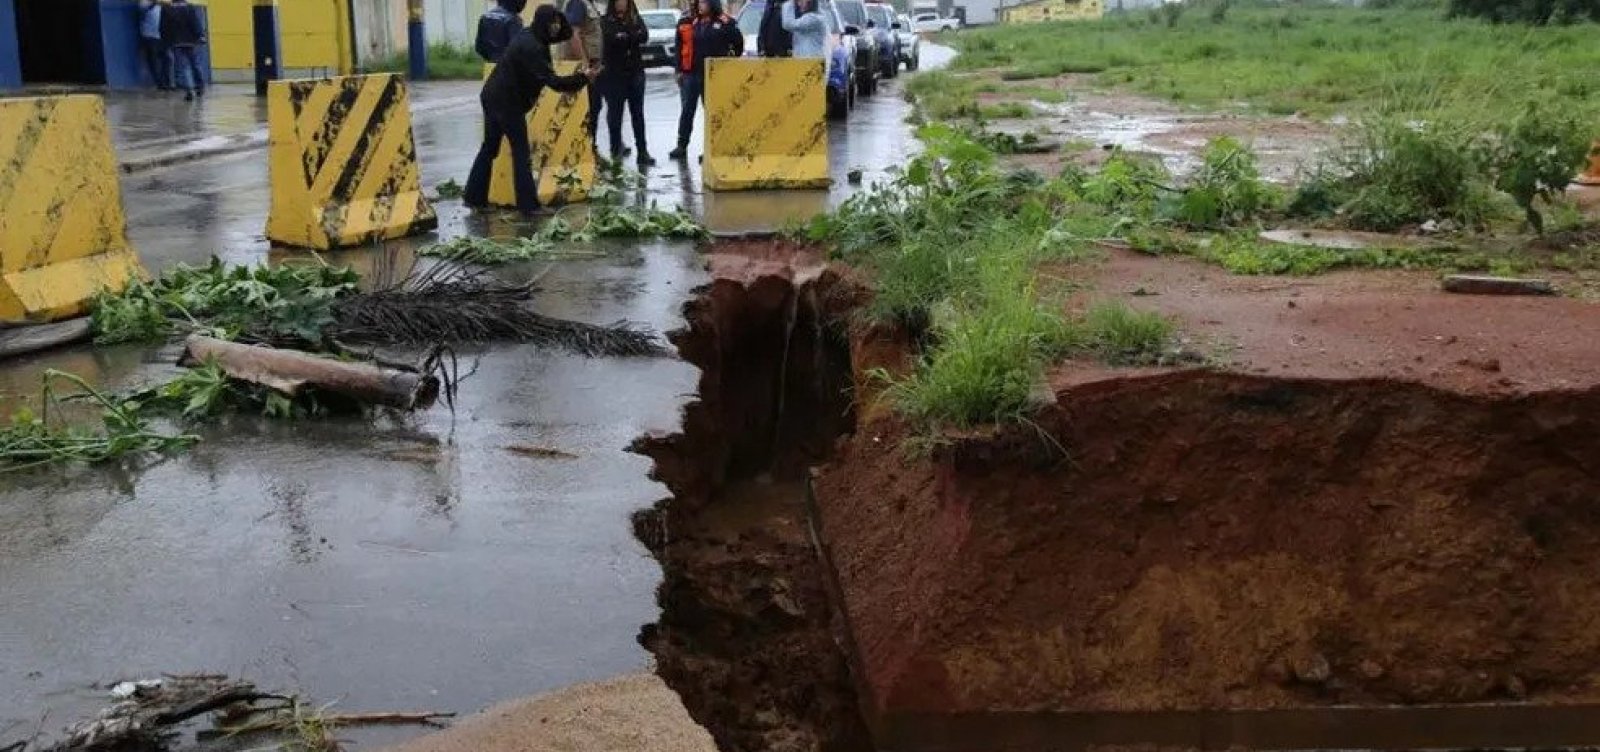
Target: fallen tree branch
[(281, 725), (449, 303)]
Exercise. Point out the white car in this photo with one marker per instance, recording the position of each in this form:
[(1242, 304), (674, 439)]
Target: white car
[(928, 23), (663, 26), (910, 42)]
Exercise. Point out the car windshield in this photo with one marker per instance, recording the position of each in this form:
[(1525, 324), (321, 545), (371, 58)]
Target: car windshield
[(750, 18), (880, 16), (657, 20), (853, 13)]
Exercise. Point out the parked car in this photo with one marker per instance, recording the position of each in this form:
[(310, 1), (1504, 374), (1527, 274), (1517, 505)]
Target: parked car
[(881, 23), (663, 37), (854, 15), (840, 57), (910, 43), (928, 23)]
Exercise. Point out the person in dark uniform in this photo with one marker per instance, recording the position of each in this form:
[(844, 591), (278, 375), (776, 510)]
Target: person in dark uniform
[(623, 82), (523, 73), (497, 27), (705, 32)]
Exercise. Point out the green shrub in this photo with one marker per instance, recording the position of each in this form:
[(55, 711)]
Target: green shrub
[(1392, 174), (1226, 190), (1535, 156)]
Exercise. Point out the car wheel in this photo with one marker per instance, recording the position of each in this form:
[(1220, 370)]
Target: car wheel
[(915, 62), (838, 105)]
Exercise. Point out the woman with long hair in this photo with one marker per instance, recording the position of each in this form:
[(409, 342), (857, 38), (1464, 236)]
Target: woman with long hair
[(622, 82)]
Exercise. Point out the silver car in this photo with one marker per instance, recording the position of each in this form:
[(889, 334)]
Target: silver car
[(910, 43), (663, 26)]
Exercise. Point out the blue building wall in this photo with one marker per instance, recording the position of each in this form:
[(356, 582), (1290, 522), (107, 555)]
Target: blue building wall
[(110, 47), (118, 45), (10, 52)]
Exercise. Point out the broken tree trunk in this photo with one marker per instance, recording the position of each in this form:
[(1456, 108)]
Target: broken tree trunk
[(291, 371)]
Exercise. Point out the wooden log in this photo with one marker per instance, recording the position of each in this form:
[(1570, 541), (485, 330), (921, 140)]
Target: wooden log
[(291, 371)]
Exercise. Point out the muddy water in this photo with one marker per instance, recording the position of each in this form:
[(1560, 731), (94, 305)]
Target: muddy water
[(414, 563)]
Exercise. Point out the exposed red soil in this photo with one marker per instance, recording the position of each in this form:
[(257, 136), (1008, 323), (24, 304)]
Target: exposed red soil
[(1387, 497), (1348, 325), (1196, 539), (746, 634)]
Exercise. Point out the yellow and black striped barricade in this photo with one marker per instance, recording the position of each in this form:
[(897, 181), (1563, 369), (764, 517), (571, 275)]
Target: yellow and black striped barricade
[(563, 153), (63, 236), (766, 124), (343, 163)]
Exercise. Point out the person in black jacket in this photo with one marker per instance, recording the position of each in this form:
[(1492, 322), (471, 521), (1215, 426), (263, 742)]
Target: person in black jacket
[(773, 40), (711, 33), (497, 27), (523, 73), (622, 82), (182, 32)]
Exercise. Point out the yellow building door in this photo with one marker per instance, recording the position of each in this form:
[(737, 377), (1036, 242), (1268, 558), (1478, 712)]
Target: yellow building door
[(315, 35)]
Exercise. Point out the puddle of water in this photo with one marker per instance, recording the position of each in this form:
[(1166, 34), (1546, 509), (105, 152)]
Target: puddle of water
[(408, 563)]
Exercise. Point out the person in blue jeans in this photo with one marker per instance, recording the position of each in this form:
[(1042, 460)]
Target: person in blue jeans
[(183, 32), (706, 32), (154, 50), (523, 73)]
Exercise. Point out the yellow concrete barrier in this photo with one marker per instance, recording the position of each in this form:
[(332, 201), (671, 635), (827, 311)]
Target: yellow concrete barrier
[(63, 236), (343, 163), (563, 157), (1591, 176), (766, 124)]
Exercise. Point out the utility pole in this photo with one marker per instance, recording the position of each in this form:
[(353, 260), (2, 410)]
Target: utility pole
[(417, 41), (269, 52)]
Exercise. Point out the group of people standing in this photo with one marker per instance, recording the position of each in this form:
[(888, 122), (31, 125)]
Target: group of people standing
[(170, 34), (608, 45)]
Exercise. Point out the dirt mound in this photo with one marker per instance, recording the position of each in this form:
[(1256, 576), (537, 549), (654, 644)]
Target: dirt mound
[(1211, 540), (628, 714)]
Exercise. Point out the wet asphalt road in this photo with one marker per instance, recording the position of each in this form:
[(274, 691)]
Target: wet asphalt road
[(398, 565)]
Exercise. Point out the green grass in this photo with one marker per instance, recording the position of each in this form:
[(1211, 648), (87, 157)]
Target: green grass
[(1120, 335), (1311, 58), (445, 61)]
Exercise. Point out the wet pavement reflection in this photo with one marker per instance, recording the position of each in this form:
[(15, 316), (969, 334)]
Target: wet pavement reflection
[(418, 562)]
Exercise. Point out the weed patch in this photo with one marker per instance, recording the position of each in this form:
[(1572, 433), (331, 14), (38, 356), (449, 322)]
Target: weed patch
[(445, 61), (265, 304), (1405, 61)]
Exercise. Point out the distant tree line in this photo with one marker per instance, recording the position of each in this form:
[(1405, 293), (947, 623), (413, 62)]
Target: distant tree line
[(1538, 12)]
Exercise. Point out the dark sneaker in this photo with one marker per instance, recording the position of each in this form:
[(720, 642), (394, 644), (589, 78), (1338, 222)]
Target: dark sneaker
[(645, 160), (679, 153)]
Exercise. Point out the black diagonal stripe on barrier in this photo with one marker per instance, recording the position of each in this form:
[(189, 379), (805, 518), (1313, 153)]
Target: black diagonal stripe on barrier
[(559, 120), (740, 100), (361, 154), (44, 111), (389, 190), (333, 122), (751, 148)]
